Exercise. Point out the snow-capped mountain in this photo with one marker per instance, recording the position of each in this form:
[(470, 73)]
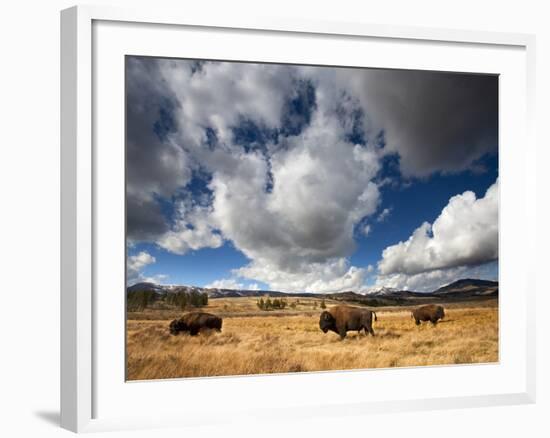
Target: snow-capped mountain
[(381, 291)]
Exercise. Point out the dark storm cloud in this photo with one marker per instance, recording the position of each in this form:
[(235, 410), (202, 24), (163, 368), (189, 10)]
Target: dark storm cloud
[(145, 221), (154, 168), (436, 122)]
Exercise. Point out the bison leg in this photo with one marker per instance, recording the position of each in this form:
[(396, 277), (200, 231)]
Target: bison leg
[(417, 322), (434, 321), (342, 332), (194, 332), (371, 331)]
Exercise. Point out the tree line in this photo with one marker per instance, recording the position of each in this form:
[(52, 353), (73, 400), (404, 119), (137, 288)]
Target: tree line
[(186, 299), (281, 303), (137, 301), (269, 304)]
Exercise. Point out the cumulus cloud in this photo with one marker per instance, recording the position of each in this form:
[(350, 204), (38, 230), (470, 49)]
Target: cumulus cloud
[(432, 280), (221, 94), (421, 282), (226, 283), (321, 188), (464, 234), (383, 215), (335, 275), (157, 278), (192, 229), (232, 283), (135, 264)]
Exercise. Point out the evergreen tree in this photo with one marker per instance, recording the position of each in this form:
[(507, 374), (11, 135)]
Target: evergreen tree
[(261, 304)]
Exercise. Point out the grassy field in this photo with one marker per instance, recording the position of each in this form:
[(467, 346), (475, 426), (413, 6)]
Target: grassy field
[(259, 342)]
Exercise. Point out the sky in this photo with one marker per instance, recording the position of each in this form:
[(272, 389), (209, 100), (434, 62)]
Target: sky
[(309, 178)]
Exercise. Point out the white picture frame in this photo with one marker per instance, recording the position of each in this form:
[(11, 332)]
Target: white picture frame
[(82, 331)]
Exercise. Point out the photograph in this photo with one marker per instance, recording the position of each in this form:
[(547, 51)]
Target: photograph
[(289, 218)]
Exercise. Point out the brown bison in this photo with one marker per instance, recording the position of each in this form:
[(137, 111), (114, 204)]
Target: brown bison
[(341, 319), (430, 312), (194, 322)]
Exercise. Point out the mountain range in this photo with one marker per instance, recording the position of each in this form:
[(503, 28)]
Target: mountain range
[(460, 290)]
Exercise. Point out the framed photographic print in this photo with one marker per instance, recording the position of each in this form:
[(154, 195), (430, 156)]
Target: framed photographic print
[(253, 206)]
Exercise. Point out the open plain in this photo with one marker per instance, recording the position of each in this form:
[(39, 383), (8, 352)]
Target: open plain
[(253, 341)]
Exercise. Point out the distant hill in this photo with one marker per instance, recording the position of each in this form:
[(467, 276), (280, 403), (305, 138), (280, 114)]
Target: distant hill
[(466, 284), (147, 287), (460, 290)]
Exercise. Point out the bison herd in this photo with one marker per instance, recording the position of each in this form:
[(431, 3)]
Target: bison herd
[(339, 319)]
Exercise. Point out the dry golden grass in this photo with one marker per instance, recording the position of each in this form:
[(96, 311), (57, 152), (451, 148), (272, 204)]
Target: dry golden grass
[(267, 343), (231, 307)]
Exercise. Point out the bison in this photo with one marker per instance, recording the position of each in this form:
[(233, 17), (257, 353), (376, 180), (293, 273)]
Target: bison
[(430, 312), (194, 322), (341, 319)]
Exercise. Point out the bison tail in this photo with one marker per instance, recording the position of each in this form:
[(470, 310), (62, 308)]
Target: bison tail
[(375, 317)]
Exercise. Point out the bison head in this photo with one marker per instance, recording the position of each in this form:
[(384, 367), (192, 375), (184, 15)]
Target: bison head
[(326, 322), (177, 325)]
